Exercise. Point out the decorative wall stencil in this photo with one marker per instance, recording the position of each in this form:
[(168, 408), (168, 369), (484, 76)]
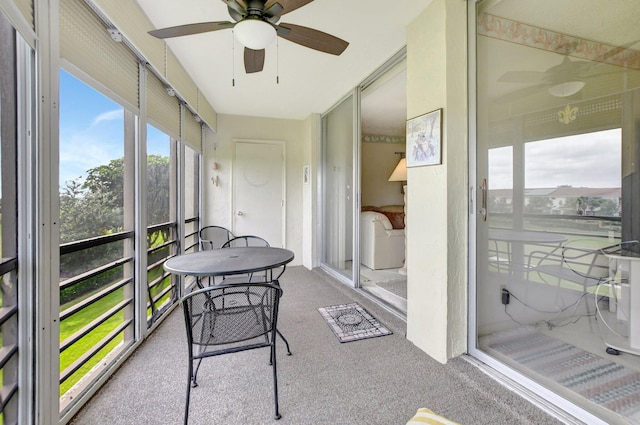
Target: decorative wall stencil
[(369, 138), (539, 38), (568, 114)]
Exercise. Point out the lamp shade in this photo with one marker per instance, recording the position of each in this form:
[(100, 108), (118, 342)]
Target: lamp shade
[(400, 172), (255, 34)]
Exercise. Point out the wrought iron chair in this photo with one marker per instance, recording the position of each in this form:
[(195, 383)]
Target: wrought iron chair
[(212, 237), (227, 319), (268, 276), (244, 241)]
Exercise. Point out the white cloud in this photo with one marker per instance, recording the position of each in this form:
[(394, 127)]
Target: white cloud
[(108, 116), (586, 160)]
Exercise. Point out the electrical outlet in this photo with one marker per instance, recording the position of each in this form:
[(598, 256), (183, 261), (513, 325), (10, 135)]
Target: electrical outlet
[(505, 296)]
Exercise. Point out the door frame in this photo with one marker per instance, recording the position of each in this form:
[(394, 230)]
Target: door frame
[(283, 208)]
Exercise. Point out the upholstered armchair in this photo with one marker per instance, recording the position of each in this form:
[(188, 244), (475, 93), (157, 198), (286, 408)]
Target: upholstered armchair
[(381, 246)]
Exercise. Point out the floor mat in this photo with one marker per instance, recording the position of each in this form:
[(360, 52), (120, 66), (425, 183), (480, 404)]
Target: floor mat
[(606, 383), (351, 322), (397, 287)]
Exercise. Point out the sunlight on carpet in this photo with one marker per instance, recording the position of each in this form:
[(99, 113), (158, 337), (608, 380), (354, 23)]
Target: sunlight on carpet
[(606, 383)]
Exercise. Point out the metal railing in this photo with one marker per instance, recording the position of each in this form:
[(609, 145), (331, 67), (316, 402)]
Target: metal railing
[(9, 351)]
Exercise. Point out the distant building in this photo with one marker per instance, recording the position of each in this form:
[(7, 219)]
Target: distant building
[(562, 200)]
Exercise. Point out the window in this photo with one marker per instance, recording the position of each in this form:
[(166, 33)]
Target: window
[(161, 220), (96, 251), (191, 198), (9, 285)]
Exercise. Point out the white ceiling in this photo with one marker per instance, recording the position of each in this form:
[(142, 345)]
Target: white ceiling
[(309, 81)]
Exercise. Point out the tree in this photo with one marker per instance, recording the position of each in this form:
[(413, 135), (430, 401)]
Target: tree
[(96, 208), (587, 205), (538, 205)]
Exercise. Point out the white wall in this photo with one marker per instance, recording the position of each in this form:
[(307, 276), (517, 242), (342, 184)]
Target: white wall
[(378, 162), (437, 195), (218, 147)]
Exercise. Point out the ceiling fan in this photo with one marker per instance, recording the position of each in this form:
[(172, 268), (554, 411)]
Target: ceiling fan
[(562, 80), (256, 26), (569, 76)]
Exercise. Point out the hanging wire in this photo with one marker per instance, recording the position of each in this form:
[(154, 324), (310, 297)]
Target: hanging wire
[(277, 61)]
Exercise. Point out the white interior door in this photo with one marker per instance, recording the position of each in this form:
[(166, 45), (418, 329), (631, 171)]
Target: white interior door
[(259, 190)]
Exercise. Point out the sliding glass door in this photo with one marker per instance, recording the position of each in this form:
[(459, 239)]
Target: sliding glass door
[(557, 148), (338, 189)]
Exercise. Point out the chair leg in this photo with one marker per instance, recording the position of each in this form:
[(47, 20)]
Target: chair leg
[(186, 404), (275, 380), (285, 342), (194, 383)]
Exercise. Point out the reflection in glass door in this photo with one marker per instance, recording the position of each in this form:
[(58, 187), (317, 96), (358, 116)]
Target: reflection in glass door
[(556, 152), (338, 188)]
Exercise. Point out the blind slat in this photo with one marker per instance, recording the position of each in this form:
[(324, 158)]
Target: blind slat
[(85, 42), (163, 110)]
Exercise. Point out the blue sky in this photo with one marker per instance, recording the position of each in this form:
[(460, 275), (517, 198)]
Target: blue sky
[(92, 130)]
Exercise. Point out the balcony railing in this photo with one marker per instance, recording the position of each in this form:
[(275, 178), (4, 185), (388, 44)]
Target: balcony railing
[(98, 299)]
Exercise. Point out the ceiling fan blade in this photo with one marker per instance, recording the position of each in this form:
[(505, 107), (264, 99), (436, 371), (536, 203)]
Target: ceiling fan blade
[(236, 6), (287, 5), (312, 39), (253, 60), (190, 29), (524, 77), (234, 14), (274, 10)]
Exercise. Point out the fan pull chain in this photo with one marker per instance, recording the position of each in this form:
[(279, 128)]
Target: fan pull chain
[(233, 59), (277, 61)]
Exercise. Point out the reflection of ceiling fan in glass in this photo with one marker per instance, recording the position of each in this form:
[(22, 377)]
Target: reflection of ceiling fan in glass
[(256, 27), (565, 79)]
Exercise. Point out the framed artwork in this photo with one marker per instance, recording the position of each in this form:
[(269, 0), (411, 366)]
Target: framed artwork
[(424, 139)]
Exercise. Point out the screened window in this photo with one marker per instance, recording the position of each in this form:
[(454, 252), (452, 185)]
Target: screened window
[(96, 251)]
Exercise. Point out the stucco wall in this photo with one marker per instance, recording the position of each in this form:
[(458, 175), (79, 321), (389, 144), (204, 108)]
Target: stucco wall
[(218, 147), (437, 195)]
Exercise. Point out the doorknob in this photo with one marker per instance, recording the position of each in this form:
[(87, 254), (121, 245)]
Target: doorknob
[(240, 213)]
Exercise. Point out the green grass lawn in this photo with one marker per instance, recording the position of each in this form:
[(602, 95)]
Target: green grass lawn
[(80, 319)]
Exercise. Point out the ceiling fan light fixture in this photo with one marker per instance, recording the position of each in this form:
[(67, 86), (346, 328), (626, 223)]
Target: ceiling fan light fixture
[(566, 89), (255, 34)]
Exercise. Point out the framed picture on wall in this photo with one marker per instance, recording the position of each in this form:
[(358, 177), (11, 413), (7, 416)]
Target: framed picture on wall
[(424, 139)]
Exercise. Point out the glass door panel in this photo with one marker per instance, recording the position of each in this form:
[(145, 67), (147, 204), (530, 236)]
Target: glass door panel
[(338, 194), (558, 104)]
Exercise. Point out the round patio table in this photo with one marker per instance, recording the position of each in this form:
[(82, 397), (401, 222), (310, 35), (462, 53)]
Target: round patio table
[(232, 261), (229, 261)]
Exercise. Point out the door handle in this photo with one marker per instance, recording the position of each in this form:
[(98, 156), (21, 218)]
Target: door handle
[(240, 213), (483, 206)]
